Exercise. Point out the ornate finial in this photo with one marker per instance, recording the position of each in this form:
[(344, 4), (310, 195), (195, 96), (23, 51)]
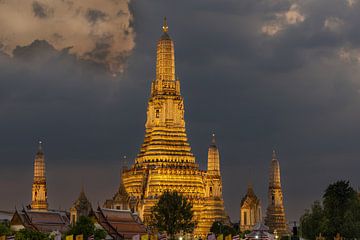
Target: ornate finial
[(274, 157), (250, 190), (165, 26), (213, 140), (40, 147)]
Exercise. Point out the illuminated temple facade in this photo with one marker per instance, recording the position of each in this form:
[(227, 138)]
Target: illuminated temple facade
[(165, 161)]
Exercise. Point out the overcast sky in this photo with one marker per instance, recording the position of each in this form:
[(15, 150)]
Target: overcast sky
[(261, 74)]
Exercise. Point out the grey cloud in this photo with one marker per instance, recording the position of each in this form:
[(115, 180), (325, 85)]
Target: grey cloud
[(101, 51)]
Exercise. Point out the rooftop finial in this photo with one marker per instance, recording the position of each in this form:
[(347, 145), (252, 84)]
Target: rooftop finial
[(40, 147), (213, 139), (165, 26), (274, 157)]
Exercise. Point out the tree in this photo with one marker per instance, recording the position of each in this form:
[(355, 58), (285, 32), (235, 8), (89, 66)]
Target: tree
[(220, 228), (86, 227), (339, 198), (312, 222), (28, 234), (5, 229), (172, 213), (339, 213)]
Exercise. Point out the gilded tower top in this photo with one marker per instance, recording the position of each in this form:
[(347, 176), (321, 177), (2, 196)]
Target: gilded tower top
[(165, 26), (39, 165), (213, 158), (275, 171), (165, 57), (39, 192)]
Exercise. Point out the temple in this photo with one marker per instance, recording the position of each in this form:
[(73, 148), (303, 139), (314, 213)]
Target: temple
[(39, 192), (275, 214), (165, 161), (81, 207), (250, 210)]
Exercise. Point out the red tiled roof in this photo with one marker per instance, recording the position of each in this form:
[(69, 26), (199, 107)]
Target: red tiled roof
[(44, 221), (122, 221)]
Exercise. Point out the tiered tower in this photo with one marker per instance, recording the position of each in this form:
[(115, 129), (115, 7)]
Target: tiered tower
[(275, 214), (250, 210), (39, 192), (165, 161), (213, 209)]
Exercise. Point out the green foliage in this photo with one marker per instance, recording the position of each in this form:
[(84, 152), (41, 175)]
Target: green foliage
[(339, 213), (5, 229), (313, 222), (86, 227), (172, 213), (99, 234), (220, 228), (242, 234), (27, 234)]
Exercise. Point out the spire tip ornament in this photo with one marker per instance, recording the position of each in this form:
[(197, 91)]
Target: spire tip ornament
[(213, 139), (165, 26), (274, 157)]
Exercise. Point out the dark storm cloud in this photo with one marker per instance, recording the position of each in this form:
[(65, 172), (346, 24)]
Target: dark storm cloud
[(261, 74)]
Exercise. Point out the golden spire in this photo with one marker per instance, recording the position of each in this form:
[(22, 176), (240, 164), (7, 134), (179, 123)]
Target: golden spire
[(165, 26), (213, 158), (275, 171), (165, 57), (39, 192), (275, 215)]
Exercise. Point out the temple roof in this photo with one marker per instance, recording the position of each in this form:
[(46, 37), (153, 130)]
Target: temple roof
[(260, 231), (82, 202), (43, 221), (6, 215), (250, 197), (120, 222)]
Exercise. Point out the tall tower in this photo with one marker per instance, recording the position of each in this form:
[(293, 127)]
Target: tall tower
[(275, 214), (214, 204), (39, 192), (165, 161)]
